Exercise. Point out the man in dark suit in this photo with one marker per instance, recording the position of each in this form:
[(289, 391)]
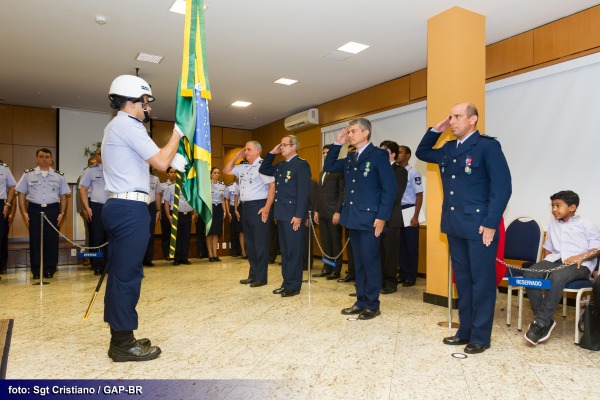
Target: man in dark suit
[(327, 215), (477, 186), (292, 186), (370, 189), (390, 250)]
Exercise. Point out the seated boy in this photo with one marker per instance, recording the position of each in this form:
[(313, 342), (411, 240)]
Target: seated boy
[(570, 240)]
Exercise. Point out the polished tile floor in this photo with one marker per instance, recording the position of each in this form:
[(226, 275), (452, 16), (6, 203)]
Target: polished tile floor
[(250, 344)]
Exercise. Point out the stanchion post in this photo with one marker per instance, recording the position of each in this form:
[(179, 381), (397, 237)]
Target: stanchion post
[(449, 322), (41, 282)]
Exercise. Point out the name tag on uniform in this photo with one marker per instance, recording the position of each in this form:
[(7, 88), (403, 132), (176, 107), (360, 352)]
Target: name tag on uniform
[(91, 254), (530, 283)]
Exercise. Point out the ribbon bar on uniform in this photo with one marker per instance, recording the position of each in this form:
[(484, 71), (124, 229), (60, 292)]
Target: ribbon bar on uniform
[(137, 196)]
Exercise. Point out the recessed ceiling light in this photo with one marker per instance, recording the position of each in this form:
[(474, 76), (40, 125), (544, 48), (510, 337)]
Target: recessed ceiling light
[(353, 47), (149, 58), (285, 81), (241, 103), (338, 55), (179, 7)]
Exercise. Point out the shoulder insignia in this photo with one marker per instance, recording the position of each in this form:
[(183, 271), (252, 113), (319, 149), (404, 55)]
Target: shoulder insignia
[(301, 159), (29, 170), (483, 135), (59, 172)]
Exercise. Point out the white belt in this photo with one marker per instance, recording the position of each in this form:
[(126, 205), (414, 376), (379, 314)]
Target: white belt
[(137, 196)]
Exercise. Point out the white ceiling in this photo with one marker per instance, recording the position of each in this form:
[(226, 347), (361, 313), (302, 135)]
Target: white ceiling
[(53, 54)]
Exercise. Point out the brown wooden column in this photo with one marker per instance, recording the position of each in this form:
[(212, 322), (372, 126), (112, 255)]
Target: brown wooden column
[(455, 74)]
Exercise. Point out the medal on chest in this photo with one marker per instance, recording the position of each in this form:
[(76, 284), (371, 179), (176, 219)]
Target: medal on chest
[(468, 162), (367, 169), (288, 176)]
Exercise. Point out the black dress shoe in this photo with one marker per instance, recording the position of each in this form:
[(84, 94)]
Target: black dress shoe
[(258, 284), (400, 280), (289, 293), (186, 262), (368, 314), (352, 310), (454, 341), (278, 291), (332, 276), (408, 283), (48, 275), (97, 272), (35, 276), (217, 259), (321, 274), (246, 281), (389, 289), (142, 342), (474, 348), (346, 279), (148, 264), (211, 259), (175, 263), (132, 350)]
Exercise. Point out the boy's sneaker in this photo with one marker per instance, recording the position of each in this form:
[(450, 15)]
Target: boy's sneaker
[(538, 333)]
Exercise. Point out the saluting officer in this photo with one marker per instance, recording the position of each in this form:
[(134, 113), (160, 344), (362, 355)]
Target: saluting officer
[(127, 149), (7, 199), (154, 211), (184, 224), (292, 191), (370, 189), (43, 189), (477, 186), (92, 184), (257, 192)]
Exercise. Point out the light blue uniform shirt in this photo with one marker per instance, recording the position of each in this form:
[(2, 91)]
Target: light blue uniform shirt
[(217, 192), (155, 187), (231, 191), (169, 195), (7, 180), (165, 185), (253, 185), (40, 189), (93, 179), (414, 186), (125, 148)]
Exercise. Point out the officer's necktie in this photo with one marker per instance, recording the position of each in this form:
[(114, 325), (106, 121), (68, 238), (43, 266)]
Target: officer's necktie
[(355, 157)]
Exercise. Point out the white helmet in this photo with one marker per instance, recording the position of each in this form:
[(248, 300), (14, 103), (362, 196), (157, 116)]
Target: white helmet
[(130, 87)]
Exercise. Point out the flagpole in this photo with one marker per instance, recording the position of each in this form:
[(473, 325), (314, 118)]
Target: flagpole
[(175, 216)]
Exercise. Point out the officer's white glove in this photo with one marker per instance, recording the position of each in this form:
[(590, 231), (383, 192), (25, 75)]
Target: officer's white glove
[(177, 129), (179, 162)]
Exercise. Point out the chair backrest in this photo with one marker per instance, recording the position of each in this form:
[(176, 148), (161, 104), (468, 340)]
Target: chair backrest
[(523, 240)]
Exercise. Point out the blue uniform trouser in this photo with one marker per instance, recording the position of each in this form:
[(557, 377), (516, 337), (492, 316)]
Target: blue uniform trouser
[(367, 268), (201, 248), (474, 266), (331, 239), (165, 232), (234, 232), (256, 237), (409, 253), (544, 304), (126, 222), (184, 230), (50, 237), (291, 244), (97, 236), (149, 255)]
